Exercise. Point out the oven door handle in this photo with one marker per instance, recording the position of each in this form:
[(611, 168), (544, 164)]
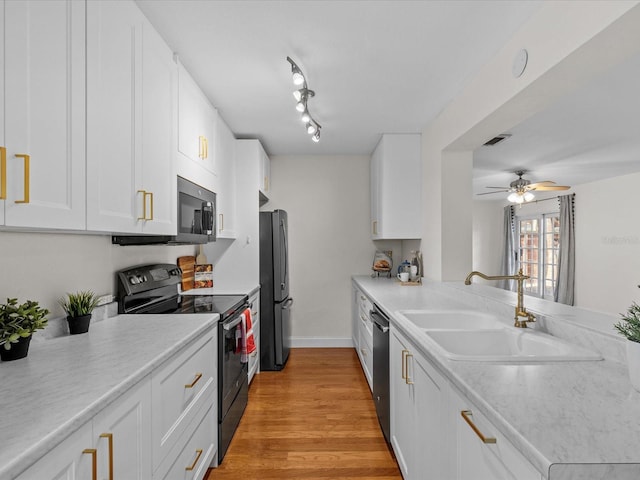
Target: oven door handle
[(229, 326)]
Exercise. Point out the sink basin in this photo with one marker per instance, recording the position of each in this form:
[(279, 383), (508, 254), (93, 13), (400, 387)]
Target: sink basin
[(507, 344), (451, 319)]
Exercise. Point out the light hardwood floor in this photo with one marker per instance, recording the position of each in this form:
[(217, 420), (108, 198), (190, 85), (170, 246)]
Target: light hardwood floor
[(313, 420)]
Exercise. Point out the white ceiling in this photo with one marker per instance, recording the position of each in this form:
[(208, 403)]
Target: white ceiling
[(590, 135), (376, 66)]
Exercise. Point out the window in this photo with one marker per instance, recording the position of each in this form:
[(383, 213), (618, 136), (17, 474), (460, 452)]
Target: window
[(539, 241)]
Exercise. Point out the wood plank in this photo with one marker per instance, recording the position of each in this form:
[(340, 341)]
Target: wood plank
[(313, 420)]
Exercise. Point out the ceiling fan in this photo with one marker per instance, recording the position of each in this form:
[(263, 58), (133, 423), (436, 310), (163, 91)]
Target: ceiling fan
[(521, 189)]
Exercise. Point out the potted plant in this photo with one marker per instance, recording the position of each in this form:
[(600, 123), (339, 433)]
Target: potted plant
[(78, 307), (630, 328), (17, 324)]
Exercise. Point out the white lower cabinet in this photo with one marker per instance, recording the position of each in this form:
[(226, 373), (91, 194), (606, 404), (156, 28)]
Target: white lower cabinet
[(429, 433), (482, 453), (67, 461), (165, 427), (254, 358), (418, 403), (362, 332)]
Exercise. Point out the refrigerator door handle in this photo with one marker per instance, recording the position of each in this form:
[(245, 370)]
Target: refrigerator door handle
[(286, 253), (287, 303)]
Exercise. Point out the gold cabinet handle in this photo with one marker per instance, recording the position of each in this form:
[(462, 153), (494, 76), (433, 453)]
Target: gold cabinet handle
[(27, 161), (466, 414), (404, 364), (408, 380), (195, 380), (109, 437), (375, 227), (221, 228), (146, 195), (94, 462), (3, 173), (195, 462), (201, 146), (266, 184), (150, 195)]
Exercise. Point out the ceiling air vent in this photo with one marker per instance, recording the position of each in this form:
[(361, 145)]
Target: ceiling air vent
[(498, 139)]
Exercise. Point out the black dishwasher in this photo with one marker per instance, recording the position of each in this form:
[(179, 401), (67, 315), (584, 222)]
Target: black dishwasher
[(381, 368)]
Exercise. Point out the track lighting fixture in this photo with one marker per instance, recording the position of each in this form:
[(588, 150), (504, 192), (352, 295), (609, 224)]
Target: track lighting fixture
[(302, 96)]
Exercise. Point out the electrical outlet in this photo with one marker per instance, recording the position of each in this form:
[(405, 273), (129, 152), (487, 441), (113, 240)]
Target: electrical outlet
[(104, 299)]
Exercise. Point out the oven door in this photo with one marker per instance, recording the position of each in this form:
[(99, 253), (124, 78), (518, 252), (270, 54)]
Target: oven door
[(231, 366)]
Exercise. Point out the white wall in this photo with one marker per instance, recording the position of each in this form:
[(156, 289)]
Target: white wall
[(327, 200), (608, 244), (488, 241), (44, 266)]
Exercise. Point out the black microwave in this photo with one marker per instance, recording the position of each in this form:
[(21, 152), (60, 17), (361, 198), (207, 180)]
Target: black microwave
[(196, 219)]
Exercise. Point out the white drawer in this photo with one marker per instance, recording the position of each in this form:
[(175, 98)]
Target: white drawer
[(199, 452), (366, 354), (364, 303), (179, 390)]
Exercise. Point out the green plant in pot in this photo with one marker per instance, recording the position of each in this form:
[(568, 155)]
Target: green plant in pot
[(78, 307), (630, 328), (17, 324)]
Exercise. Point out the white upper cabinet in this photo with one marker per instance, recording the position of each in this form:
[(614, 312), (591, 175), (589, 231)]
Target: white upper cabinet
[(265, 173), (131, 81), (43, 165), (225, 157), (396, 187), (196, 123)]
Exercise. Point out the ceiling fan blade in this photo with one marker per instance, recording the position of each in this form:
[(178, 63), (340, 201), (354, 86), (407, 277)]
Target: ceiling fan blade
[(541, 184), (502, 188), (489, 193), (551, 187)]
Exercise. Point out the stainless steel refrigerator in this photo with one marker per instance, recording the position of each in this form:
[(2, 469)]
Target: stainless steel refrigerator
[(275, 302)]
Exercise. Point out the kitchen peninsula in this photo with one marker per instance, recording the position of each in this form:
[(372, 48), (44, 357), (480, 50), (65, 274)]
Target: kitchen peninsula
[(552, 420)]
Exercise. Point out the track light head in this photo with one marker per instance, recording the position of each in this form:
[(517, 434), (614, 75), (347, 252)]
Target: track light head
[(311, 128), (296, 74), (305, 116), (316, 137)]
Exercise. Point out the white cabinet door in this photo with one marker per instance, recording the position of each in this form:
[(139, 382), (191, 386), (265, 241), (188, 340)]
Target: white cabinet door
[(114, 116), (122, 436), (484, 453), (131, 88), (402, 405), (196, 123), (159, 117), (73, 459), (265, 172), (44, 114), (396, 187), (419, 406), (225, 157)]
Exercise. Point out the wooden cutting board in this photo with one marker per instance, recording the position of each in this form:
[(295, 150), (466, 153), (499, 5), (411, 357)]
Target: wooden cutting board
[(187, 265)]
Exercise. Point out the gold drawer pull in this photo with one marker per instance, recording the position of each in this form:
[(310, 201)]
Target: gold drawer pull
[(27, 159), (466, 414), (109, 436), (3, 173), (94, 462), (404, 364), (195, 380), (221, 228), (408, 380), (195, 462)]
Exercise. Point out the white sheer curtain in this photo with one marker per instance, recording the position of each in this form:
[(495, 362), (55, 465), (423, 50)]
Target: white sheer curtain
[(563, 292), (509, 260)]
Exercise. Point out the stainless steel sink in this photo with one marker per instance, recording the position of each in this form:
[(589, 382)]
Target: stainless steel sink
[(508, 345)]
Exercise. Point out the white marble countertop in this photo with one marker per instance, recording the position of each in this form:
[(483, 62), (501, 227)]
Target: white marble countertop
[(65, 381), (571, 420)]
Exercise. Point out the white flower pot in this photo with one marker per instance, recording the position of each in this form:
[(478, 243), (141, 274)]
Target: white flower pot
[(633, 363)]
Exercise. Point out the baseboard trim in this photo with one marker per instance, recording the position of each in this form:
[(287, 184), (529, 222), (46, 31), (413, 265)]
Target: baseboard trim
[(315, 342)]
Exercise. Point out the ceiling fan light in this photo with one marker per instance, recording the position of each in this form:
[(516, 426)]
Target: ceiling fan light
[(515, 197), (528, 196)]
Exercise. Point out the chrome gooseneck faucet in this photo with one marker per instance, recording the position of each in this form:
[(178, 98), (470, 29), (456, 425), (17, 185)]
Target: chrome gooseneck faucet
[(521, 312)]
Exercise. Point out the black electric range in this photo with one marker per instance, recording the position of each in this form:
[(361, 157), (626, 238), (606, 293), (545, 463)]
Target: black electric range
[(153, 289)]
